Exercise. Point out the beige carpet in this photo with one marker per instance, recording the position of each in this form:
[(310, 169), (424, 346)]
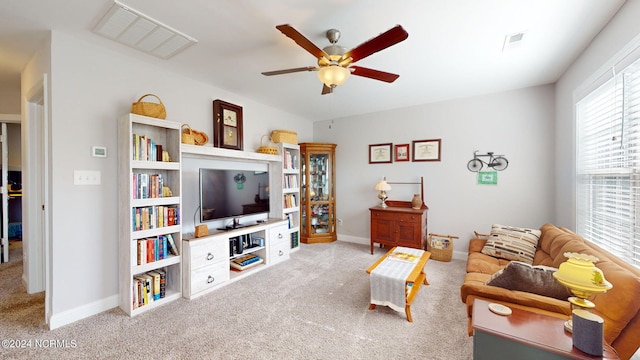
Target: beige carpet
[(314, 306)]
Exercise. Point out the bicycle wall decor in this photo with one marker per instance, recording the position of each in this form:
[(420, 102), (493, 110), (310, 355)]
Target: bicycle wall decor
[(496, 162)]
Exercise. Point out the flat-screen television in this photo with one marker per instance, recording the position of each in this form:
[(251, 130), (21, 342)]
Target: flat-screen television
[(228, 193)]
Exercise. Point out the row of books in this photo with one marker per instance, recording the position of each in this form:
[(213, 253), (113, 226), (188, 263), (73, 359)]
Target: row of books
[(290, 181), (153, 217), (147, 186), (290, 201), (245, 262), (149, 287), (146, 149), (155, 248), (295, 241), (289, 160)]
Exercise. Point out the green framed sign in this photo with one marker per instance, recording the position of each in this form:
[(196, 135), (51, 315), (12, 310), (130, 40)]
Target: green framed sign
[(488, 178)]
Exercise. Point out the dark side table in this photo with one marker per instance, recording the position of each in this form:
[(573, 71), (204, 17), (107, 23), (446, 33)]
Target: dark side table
[(523, 335)]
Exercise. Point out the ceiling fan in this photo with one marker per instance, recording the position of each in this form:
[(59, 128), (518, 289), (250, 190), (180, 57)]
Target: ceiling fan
[(334, 61)]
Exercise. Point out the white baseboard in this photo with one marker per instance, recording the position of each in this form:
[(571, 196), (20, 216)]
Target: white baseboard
[(81, 312), (458, 255)]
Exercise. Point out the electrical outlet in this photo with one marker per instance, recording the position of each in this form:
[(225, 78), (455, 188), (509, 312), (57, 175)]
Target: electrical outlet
[(340, 222), (86, 177)]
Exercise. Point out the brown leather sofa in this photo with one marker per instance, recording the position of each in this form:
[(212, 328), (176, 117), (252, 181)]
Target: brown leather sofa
[(619, 307)]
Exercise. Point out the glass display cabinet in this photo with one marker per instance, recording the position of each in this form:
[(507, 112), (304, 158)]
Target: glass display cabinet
[(318, 194)]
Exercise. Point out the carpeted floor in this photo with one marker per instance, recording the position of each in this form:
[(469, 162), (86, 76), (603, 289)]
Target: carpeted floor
[(314, 306)]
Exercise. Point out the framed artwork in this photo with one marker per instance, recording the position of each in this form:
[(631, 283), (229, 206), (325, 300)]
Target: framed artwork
[(402, 152), (426, 150), (380, 153), (227, 125)]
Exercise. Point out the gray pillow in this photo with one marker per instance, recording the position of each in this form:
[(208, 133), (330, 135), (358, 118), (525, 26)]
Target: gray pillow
[(534, 279)]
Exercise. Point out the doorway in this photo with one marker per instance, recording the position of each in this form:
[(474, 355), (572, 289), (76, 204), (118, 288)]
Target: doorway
[(35, 183)]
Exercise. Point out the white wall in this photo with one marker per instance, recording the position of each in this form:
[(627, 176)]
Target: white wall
[(518, 124), (90, 89), (595, 60)]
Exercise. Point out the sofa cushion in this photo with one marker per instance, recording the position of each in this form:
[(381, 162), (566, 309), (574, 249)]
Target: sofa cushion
[(534, 279), (512, 243)]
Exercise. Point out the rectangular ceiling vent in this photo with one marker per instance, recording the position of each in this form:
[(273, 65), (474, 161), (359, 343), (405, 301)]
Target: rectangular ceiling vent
[(512, 41), (132, 28)]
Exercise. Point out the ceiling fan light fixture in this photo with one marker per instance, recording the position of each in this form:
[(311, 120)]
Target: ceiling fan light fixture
[(333, 75)]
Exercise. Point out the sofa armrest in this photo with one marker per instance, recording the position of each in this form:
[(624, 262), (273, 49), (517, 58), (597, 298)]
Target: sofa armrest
[(476, 244)]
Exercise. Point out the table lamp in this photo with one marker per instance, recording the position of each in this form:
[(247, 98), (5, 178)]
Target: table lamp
[(583, 279), (383, 187)]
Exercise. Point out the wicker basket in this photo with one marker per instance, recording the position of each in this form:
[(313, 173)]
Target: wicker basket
[(440, 246), (155, 110), (187, 135), (284, 136), (267, 149)]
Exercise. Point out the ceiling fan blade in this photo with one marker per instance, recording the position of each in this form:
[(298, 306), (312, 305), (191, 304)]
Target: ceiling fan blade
[(374, 74), (380, 42), (288, 71), (326, 89), (301, 40)]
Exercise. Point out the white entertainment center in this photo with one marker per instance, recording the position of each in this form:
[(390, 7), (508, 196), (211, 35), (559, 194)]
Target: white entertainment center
[(194, 266)]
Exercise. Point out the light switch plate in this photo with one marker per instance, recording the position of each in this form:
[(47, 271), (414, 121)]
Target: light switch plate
[(86, 177)]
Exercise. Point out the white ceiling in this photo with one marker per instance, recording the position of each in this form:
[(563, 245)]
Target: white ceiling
[(454, 48)]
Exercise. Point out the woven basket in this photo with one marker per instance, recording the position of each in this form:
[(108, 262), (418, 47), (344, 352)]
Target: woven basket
[(267, 149), (149, 109), (284, 136), (187, 135), (199, 137), (440, 246)]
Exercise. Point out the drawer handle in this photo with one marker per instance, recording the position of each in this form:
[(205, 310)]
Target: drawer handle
[(209, 256), (279, 235), (210, 279), (280, 253)]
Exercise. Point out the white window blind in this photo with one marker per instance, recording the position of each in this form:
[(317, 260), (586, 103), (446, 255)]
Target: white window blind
[(608, 165)]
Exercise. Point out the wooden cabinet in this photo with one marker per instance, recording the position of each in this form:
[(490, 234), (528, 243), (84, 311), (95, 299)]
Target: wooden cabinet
[(399, 225), (318, 203)]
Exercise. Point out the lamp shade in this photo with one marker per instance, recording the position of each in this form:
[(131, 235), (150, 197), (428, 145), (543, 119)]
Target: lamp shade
[(382, 186), (333, 75), (581, 276)]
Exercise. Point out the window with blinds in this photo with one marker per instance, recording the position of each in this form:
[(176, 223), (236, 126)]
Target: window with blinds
[(608, 165)]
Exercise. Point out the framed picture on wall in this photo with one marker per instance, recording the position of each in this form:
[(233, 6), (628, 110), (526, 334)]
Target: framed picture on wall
[(426, 150), (227, 125), (401, 152), (380, 153)]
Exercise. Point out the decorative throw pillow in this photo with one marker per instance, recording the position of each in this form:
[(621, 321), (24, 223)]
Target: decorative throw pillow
[(512, 243), (533, 279)]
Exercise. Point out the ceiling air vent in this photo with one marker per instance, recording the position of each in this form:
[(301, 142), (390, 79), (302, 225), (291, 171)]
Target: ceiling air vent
[(512, 41), (132, 28)]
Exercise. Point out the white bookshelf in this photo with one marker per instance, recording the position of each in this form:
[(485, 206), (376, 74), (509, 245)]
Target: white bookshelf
[(167, 134), (289, 176)]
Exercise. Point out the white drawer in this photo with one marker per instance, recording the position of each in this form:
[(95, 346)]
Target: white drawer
[(279, 251), (208, 277), (209, 252)]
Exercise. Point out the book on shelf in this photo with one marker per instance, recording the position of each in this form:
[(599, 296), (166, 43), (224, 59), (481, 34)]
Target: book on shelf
[(149, 287), (171, 245), (156, 284), (246, 261)]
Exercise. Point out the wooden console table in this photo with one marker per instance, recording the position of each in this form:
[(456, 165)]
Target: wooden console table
[(399, 225), (523, 335)]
